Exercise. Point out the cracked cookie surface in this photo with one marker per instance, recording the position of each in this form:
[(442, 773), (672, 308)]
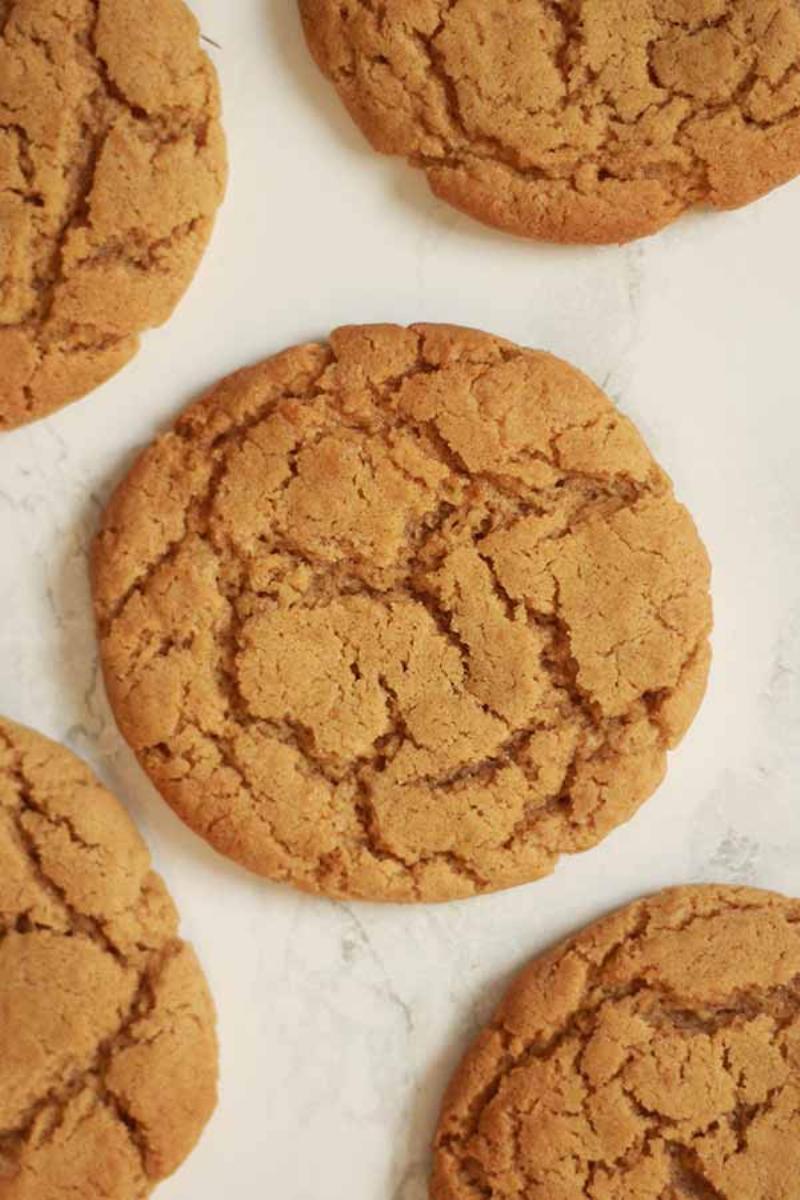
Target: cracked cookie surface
[(405, 615), (108, 1055), (654, 1056), (573, 120), (112, 165)]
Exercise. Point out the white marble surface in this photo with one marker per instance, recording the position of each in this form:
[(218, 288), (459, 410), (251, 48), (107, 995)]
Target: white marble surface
[(341, 1022)]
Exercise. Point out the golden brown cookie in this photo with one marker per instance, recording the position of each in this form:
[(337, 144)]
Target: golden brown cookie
[(573, 120), (653, 1056), (108, 1056), (112, 165), (402, 616)]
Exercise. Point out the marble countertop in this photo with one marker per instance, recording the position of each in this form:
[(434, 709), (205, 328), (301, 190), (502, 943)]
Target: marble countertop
[(341, 1022)]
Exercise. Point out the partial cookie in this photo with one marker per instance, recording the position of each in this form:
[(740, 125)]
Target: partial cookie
[(112, 165), (404, 616), (108, 1055), (573, 120), (654, 1056)]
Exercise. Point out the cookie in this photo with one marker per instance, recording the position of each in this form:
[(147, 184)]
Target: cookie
[(112, 165), (108, 1055), (573, 120), (654, 1056), (402, 616)]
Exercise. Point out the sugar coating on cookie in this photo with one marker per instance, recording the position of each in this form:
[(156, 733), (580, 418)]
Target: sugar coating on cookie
[(573, 120), (654, 1056), (108, 1055), (112, 165), (405, 615)]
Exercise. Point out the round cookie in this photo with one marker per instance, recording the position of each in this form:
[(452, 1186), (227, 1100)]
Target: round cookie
[(112, 165), (653, 1056), (402, 616), (108, 1055), (573, 120)]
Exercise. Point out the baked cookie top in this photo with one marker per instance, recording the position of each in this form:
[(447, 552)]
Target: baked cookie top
[(654, 1056), (573, 120), (402, 616), (108, 1056), (112, 164)]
